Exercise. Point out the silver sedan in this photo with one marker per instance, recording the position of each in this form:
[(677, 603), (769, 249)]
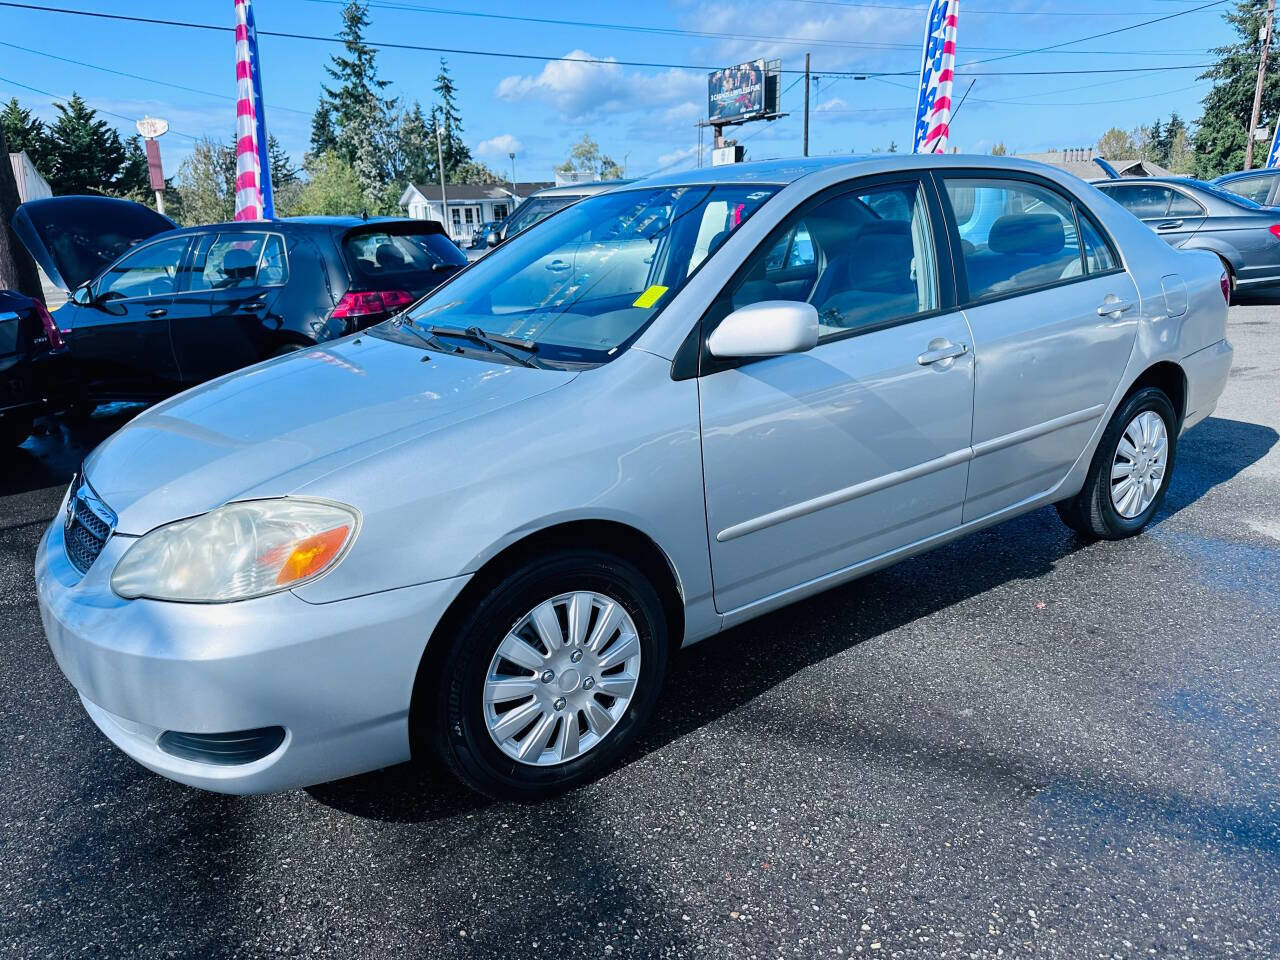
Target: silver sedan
[(482, 528)]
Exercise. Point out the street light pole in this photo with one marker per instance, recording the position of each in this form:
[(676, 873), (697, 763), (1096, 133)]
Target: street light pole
[(444, 200), (1257, 90), (512, 157), (806, 103)]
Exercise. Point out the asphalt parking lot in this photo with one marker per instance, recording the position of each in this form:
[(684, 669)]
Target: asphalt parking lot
[(1018, 745)]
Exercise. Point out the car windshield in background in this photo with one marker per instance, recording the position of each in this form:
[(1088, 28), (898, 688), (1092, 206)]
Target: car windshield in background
[(535, 210), (591, 279), (376, 256)]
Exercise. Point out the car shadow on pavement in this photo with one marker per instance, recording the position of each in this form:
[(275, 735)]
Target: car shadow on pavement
[(715, 677)]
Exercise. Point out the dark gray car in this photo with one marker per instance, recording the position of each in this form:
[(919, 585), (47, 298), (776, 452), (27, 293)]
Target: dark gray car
[(1194, 215)]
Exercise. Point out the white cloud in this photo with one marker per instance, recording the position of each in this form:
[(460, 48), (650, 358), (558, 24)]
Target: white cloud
[(678, 159), (835, 103), (581, 90), (499, 146)]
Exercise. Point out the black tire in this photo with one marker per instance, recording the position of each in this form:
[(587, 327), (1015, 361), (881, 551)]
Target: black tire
[(1091, 512), (449, 709), (15, 429)]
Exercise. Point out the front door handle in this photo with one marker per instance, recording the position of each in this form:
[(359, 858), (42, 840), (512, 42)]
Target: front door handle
[(942, 350), (253, 306), (157, 312), (1113, 308), (1169, 225), (556, 266)]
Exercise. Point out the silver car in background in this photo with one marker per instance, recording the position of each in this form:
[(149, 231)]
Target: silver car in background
[(482, 527), (537, 207), (1194, 215)]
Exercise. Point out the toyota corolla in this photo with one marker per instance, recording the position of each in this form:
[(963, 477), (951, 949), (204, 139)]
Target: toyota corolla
[(483, 526)]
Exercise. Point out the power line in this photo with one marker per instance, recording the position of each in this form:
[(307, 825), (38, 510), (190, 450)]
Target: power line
[(109, 113), (136, 76), (709, 35), (462, 51), (856, 4)]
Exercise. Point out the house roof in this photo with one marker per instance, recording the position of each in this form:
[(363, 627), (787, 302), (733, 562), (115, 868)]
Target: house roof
[(471, 192), (1082, 163)]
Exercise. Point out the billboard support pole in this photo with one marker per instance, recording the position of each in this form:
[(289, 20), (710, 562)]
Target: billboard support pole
[(806, 104)]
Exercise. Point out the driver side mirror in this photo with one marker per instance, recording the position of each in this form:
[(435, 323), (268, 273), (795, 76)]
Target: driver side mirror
[(83, 295), (766, 329), (493, 239)]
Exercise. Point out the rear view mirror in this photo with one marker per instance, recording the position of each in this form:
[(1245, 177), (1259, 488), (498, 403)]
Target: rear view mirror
[(766, 329)]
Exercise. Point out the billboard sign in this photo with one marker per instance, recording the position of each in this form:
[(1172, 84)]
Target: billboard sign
[(152, 127), (736, 93)]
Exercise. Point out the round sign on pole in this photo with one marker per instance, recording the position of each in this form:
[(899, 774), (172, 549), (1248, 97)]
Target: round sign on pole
[(152, 127)]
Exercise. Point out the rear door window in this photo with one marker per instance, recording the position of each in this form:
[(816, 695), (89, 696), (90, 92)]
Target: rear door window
[(1146, 202), (229, 262), (1180, 205), (1019, 236)]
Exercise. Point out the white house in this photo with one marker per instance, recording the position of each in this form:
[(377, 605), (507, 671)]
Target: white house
[(31, 186), (469, 204)]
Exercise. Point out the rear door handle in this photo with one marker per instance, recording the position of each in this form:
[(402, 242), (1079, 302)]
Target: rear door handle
[(157, 312), (1111, 308), (1169, 225), (944, 351)]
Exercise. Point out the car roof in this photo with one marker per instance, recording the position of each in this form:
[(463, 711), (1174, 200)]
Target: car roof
[(789, 170), (581, 189), (1239, 174), (292, 224)]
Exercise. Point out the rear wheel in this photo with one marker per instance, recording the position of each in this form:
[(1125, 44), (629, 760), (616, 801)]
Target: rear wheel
[(549, 677), (1130, 471)]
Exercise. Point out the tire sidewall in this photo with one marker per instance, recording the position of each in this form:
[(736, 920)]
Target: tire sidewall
[(1149, 398), (461, 730)]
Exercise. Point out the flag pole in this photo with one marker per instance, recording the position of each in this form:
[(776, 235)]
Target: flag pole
[(260, 115)]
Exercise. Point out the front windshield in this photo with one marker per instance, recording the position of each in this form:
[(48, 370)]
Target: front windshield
[(592, 277), (535, 210)]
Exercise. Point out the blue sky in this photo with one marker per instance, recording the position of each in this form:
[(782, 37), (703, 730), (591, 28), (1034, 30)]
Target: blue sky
[(646, 115)]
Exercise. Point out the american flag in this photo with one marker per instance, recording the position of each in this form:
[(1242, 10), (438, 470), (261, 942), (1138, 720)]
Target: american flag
[(1273, 158), (937, 67), (253, 177)]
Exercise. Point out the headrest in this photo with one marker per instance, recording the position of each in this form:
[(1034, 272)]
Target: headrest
[(884, 251), (388, 256), (238, 263), (1027, 233)]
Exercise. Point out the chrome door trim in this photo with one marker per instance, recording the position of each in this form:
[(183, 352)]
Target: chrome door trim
[(875, 484), (1037, 430)]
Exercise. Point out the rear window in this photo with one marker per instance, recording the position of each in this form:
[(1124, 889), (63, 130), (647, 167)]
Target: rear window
[(374, 256)]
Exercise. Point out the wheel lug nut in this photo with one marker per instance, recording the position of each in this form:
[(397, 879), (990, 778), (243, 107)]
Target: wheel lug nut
[(559, 704), (547, 676), (588, 683), (575, 656)]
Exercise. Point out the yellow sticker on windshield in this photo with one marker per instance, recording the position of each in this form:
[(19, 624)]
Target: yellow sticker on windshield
[(650, 296)]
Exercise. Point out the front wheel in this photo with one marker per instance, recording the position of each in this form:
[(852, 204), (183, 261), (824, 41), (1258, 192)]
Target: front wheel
[(1129, 474), (550, 676)]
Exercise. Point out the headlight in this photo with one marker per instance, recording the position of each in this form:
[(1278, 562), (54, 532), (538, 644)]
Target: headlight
[(238, 551)]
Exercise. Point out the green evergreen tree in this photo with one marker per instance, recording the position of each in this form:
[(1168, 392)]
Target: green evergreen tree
[(25, 132), (1157, 146), (414, 151), (323, 135), (359, 92), (456, 153), (1223, 129), (86, 152)]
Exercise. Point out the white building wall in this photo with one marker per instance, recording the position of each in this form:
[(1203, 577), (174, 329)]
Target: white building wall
[(31, 186)]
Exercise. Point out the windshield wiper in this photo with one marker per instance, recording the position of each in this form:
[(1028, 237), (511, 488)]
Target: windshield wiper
[(406, 323), (494, 342)]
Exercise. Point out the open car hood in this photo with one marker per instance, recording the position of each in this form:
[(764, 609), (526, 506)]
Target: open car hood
[(75, 238)]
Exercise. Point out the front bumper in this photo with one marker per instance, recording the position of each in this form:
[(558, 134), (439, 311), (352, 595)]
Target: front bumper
[(337, 676)]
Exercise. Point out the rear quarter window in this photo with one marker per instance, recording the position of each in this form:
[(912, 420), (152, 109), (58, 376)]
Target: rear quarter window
[(376, 256)]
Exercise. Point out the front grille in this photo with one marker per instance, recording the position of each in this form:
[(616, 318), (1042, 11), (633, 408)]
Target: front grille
[(88, 527)]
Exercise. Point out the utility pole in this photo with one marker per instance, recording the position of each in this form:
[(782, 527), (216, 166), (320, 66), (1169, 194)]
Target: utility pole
[(1257, 90), (512, 157), (806, 101), (444, 201)]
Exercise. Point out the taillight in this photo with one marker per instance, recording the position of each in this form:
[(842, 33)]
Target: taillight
[(51, 330), (370, 303), (1274, 229), (1225, 281)]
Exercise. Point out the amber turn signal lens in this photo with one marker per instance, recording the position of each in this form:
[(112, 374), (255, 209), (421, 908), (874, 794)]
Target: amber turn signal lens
[(312, 555)]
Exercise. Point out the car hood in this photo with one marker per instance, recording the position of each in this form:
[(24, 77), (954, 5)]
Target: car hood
[(269, 429), (75, 238)]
